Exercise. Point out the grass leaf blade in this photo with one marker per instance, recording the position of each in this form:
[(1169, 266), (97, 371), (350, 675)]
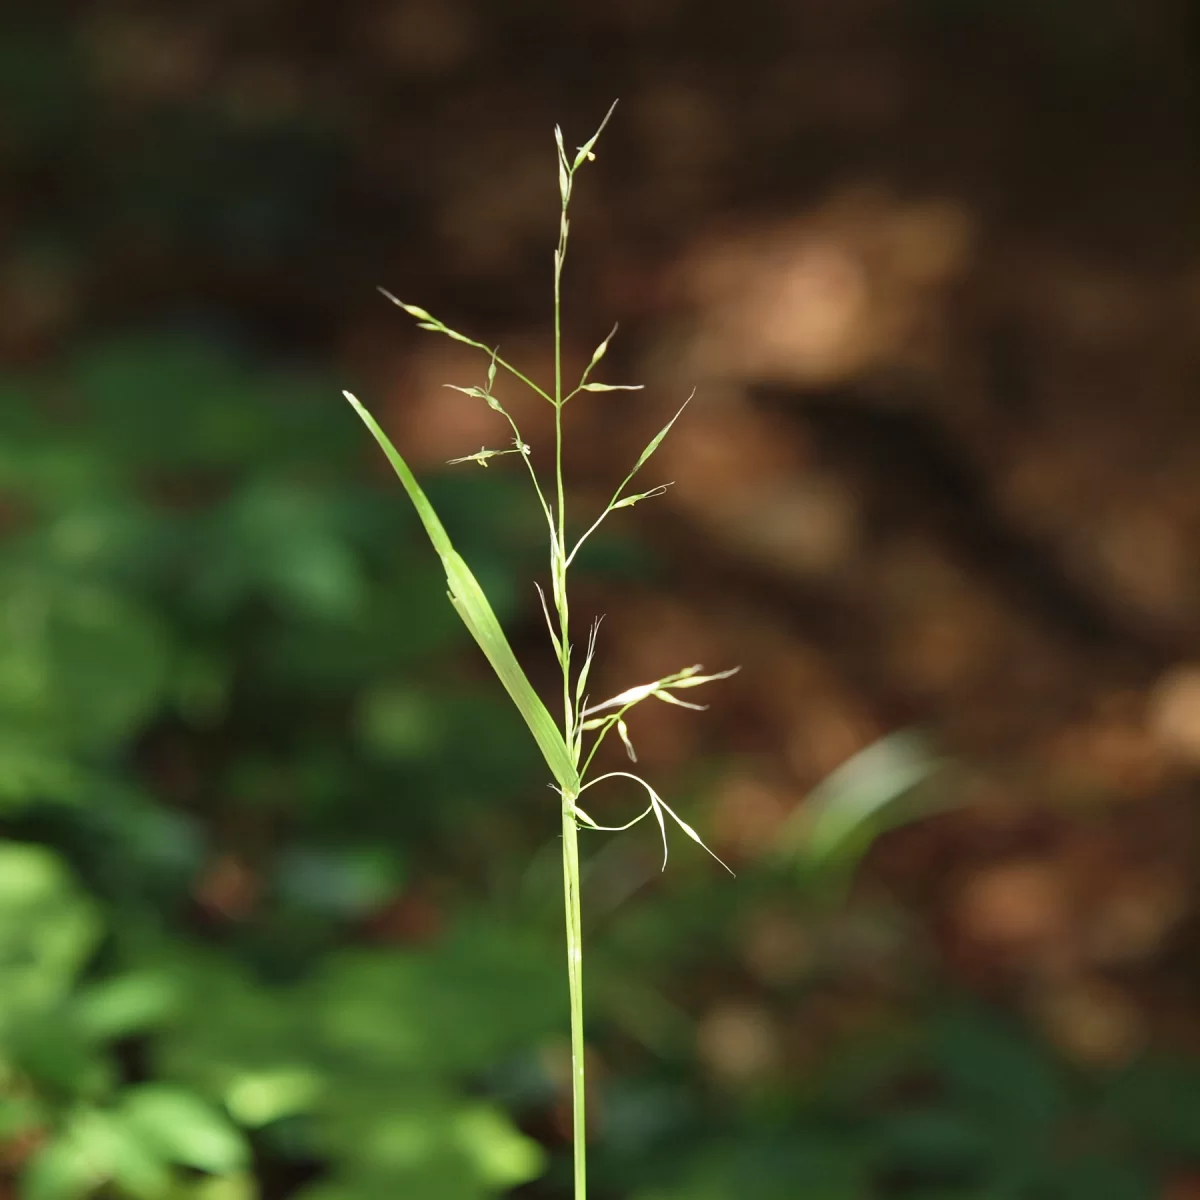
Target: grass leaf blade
[(472, 606)]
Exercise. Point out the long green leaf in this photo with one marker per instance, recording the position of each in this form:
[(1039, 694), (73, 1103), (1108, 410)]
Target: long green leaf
[(472, 606)]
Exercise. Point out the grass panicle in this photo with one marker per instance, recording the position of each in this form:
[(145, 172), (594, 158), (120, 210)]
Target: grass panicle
[(564, 747)]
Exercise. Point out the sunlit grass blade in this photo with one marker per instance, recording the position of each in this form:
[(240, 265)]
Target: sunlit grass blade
[(687, 678), (855, 802), (691, 677), (656, 441), (658, 806), (433, 325), (554, 638), (694, 835), (588, 823), (616, 501), (472, 606), (581, 682), (630, 501), (623, 733), (433, 525)]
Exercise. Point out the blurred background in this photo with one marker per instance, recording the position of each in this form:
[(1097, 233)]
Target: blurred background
[(279, 877)]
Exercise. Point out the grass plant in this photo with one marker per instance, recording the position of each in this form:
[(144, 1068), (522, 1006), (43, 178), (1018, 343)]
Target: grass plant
[(570, 748)]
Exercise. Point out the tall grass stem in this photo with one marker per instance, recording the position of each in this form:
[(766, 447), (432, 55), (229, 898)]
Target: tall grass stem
[(563, 749)]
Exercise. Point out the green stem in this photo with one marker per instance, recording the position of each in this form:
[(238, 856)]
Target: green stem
[(570, 830), (559, 561), (570, 835)]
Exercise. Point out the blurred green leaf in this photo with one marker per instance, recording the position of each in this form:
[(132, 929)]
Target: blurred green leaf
[(96, 1147), (123, 1004), (400, 722), (183, 1128), (48, 928), (282, 543), (258, 1097), (502, 1157), (851, 806), (79, 660), (61, 1170)]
